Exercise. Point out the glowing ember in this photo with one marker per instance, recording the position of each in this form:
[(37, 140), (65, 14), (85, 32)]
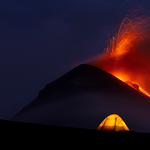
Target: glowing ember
[(128, 55)]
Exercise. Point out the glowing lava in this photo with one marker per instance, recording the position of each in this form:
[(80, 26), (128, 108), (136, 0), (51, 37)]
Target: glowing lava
[(128, 55)]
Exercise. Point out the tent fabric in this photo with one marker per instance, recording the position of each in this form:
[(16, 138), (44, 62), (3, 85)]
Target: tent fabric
[(113, 123)]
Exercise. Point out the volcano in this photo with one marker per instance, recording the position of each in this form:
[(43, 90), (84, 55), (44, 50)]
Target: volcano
[(83, 97)]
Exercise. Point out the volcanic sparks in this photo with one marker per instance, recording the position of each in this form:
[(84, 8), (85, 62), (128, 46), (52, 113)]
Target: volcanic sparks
[(128, 55)]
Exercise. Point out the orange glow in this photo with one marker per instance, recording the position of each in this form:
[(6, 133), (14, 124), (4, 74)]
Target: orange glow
[(128, 55), (113, 123), (143, 91)]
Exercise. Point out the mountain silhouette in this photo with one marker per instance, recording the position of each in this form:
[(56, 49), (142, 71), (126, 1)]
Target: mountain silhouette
[(83, 97)]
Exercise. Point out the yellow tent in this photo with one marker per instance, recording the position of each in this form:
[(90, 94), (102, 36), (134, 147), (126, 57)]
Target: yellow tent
[(113, 123)]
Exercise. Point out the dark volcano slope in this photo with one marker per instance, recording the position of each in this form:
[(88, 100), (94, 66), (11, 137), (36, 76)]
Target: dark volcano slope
[(83, 97)]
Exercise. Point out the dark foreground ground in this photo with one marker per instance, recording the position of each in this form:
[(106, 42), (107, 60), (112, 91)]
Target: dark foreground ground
[(39, 131)]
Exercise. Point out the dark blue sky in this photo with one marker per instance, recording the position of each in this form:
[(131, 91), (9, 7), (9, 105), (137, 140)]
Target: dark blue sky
[(40, 40)]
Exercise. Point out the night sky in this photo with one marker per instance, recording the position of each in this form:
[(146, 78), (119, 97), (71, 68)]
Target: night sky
[(40, 40)]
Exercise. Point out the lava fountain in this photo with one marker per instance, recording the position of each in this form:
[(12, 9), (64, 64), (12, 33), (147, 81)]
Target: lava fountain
[(128, 55)]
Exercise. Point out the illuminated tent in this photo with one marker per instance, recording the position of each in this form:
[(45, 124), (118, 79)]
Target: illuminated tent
[(113, 123)]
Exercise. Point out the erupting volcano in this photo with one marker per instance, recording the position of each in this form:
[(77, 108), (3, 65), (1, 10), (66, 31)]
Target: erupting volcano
[(82, 97), (128, 55)]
